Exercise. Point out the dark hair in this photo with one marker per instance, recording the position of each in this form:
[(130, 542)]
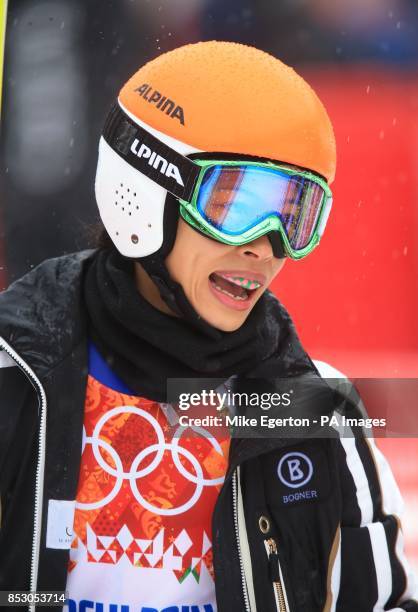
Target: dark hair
[(104, 241), (97, 237)]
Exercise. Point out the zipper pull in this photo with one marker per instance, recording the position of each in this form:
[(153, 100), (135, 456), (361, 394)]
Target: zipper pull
[(274, 567), (273, 561), (276, 576)]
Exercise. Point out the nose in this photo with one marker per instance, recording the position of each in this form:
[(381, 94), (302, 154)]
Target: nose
[(260, 249)]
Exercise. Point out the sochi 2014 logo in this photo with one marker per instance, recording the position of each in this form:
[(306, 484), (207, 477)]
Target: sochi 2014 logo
[(140, 468)]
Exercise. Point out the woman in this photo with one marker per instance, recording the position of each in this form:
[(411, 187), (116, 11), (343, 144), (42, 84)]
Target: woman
[(214, 166)]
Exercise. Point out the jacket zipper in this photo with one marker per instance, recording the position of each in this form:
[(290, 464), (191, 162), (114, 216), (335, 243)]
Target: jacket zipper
[(40, 467), (241, 565), (276, 575)]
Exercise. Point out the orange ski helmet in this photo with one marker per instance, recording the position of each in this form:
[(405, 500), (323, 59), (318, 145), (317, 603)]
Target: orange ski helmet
[(215, 97)]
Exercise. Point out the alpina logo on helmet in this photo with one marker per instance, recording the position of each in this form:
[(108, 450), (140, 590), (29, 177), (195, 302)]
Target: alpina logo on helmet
[(157, 161), (161, 102)]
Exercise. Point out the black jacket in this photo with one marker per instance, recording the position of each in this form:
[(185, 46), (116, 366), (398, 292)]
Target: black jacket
[(333, 544)]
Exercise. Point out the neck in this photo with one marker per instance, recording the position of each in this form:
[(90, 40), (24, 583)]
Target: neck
[(149, 291)]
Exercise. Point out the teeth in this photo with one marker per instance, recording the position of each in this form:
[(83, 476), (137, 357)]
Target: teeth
[(243, 282), (235, 297)]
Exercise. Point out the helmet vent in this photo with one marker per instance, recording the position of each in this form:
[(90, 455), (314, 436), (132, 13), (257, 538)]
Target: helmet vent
[(126, 198)]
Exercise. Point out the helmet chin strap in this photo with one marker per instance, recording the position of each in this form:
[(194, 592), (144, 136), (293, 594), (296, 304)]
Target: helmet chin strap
[(173, 295)]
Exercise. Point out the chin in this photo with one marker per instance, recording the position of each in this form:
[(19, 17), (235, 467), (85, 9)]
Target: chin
[(231, 328)]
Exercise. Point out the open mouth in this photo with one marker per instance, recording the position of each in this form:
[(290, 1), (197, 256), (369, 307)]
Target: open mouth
[(239, 288)]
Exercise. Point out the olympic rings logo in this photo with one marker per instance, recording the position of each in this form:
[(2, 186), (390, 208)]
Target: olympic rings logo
[(135, 472)]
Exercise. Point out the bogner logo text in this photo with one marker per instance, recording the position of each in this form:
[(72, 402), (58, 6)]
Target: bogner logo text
[(164, 104), (156, 161)]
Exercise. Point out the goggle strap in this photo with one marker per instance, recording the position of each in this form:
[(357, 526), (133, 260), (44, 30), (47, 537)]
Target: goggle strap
[(277, 244), (147, 154)]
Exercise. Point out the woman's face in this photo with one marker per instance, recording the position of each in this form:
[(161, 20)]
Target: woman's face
[(222, 282)]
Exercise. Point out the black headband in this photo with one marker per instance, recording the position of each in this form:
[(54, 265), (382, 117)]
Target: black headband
[(162, 164)]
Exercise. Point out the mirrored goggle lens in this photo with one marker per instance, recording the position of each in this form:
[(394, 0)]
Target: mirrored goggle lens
[(235, 199)]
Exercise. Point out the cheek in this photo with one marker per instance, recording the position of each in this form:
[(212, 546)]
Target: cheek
[(189, 272)]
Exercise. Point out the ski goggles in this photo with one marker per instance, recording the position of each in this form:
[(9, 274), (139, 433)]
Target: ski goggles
[(231, 201), (236, 202)]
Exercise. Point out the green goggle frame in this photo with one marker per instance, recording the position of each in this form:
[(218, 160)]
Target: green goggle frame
[(191, 213)]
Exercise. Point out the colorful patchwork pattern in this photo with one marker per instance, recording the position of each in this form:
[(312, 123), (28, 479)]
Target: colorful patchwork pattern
[(146, 490)]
